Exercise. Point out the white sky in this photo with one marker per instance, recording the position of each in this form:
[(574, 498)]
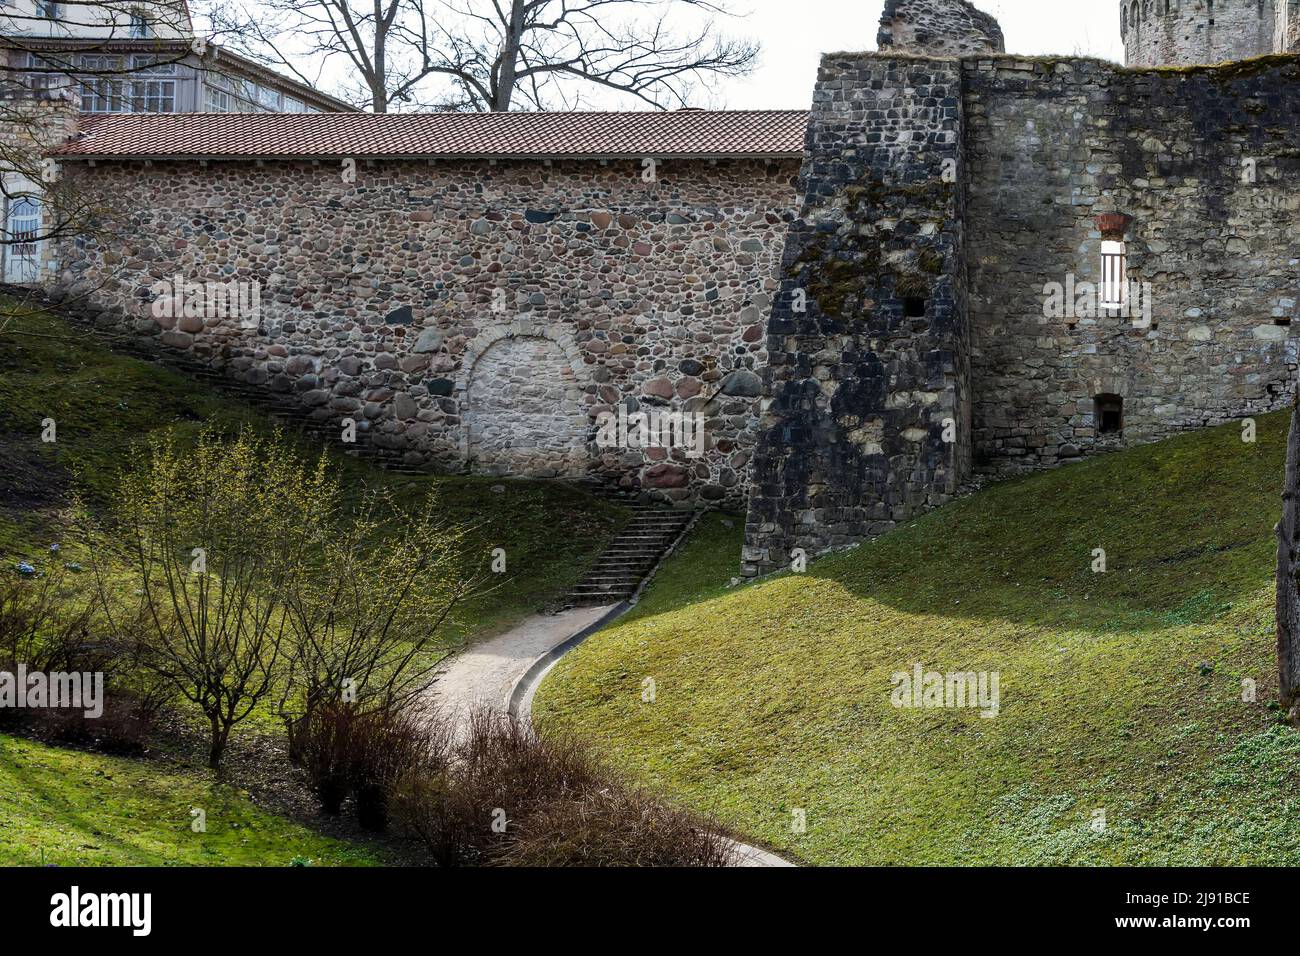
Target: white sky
[(795, 33)]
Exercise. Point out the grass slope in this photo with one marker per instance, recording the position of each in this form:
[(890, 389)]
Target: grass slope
[(77, 809), (1121, 692), (86, 809), (104, 404)]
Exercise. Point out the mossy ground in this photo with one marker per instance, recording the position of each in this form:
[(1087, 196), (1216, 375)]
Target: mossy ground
[(1121, 691), (71, 808), (87, 809), (105, 405)]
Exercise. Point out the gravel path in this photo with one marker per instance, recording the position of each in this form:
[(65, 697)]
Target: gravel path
[(486, 673), (503, 673)]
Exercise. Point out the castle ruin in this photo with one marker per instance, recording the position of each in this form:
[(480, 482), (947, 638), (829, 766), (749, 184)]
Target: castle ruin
[(958, 263), (1003, 264)]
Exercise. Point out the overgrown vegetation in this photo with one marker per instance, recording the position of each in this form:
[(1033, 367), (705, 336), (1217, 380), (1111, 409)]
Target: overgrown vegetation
[(502, 795), (173, 540), (106, 407), (247, 577), (1147, 692)]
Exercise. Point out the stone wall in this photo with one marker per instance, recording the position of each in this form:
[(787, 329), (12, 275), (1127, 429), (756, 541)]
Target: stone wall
[(868, 416), (1207, 162), (1189, 32), (928, 302), (1287, 37), (938, 28), (467, 314)]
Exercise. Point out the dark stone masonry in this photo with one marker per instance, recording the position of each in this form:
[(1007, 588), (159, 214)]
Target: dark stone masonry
[(927, 301), (868, 419), (938, 28)]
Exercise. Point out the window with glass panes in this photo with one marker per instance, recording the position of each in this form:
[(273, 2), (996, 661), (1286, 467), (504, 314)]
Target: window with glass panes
[(153, 86), (101, 93)]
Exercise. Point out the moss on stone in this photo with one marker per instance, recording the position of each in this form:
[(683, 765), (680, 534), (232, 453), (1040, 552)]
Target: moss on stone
[(931, 261)]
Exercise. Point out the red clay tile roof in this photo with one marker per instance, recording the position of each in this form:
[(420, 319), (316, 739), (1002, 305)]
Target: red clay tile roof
[(504, 135)]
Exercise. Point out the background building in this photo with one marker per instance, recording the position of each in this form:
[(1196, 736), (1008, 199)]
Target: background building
[(120, 56)]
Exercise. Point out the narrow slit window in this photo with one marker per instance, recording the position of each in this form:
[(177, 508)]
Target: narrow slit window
[(1114, 274)]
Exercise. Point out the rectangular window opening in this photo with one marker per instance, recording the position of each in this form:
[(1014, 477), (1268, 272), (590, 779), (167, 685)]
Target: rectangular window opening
[(1109, 411), (1114, 274)]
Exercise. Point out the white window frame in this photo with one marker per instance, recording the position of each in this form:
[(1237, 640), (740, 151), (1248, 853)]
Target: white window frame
[(1113, 287), (153, 85), (217, 100), (269, 99), (139, 27), (103, 94), (41, 80), (22, 256)]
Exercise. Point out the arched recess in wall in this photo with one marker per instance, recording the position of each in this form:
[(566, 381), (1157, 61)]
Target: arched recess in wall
[(522, 410)]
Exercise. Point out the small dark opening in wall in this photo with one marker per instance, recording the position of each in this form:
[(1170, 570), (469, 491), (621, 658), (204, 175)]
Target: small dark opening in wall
[(913, 308), (1110, 414), (1285, 320)]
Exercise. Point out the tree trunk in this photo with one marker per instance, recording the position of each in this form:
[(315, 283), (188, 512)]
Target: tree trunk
[(378, 82), (217, 742), (1288, 587), (508, 75)]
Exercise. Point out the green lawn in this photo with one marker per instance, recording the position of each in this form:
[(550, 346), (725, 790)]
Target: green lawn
[(104, 405), (86, 809), (77, 809), (1121, 692)]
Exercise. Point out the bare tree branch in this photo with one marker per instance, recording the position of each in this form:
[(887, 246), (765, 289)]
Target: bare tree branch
[(498, 55)]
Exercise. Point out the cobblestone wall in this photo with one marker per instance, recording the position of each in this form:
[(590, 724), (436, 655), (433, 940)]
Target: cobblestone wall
[(386, 299)]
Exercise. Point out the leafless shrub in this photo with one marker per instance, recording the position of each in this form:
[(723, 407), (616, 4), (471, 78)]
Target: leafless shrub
[(51, 622), (365, 754), (123, 728), (616, 827), (511, 797)]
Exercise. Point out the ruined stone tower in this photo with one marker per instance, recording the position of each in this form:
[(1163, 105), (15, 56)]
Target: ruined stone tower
[(1188, 32), (1286, 39), (949, 202), (938, 28)]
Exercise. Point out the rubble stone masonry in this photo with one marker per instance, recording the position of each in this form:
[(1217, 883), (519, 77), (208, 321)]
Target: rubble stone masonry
[(1200, 165), (474, 316), (862, 334)]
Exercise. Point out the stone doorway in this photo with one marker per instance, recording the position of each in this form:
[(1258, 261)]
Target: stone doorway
[(523, 411)]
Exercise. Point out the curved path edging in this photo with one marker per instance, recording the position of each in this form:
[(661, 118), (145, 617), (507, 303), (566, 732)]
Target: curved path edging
[(519, 704)]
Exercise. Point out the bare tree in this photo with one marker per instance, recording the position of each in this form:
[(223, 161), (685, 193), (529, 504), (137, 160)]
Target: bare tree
[(212, 537), (1288, 574), (367, 616), (245, 575), (498, 55)]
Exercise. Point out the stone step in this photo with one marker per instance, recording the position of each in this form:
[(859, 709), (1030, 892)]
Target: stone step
[(636, 551)]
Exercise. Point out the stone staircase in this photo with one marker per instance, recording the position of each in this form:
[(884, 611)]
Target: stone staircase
[(620, 571), (632, 556)]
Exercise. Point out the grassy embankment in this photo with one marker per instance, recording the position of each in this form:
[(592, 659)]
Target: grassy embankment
[(74, 808), (1121, 691)]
